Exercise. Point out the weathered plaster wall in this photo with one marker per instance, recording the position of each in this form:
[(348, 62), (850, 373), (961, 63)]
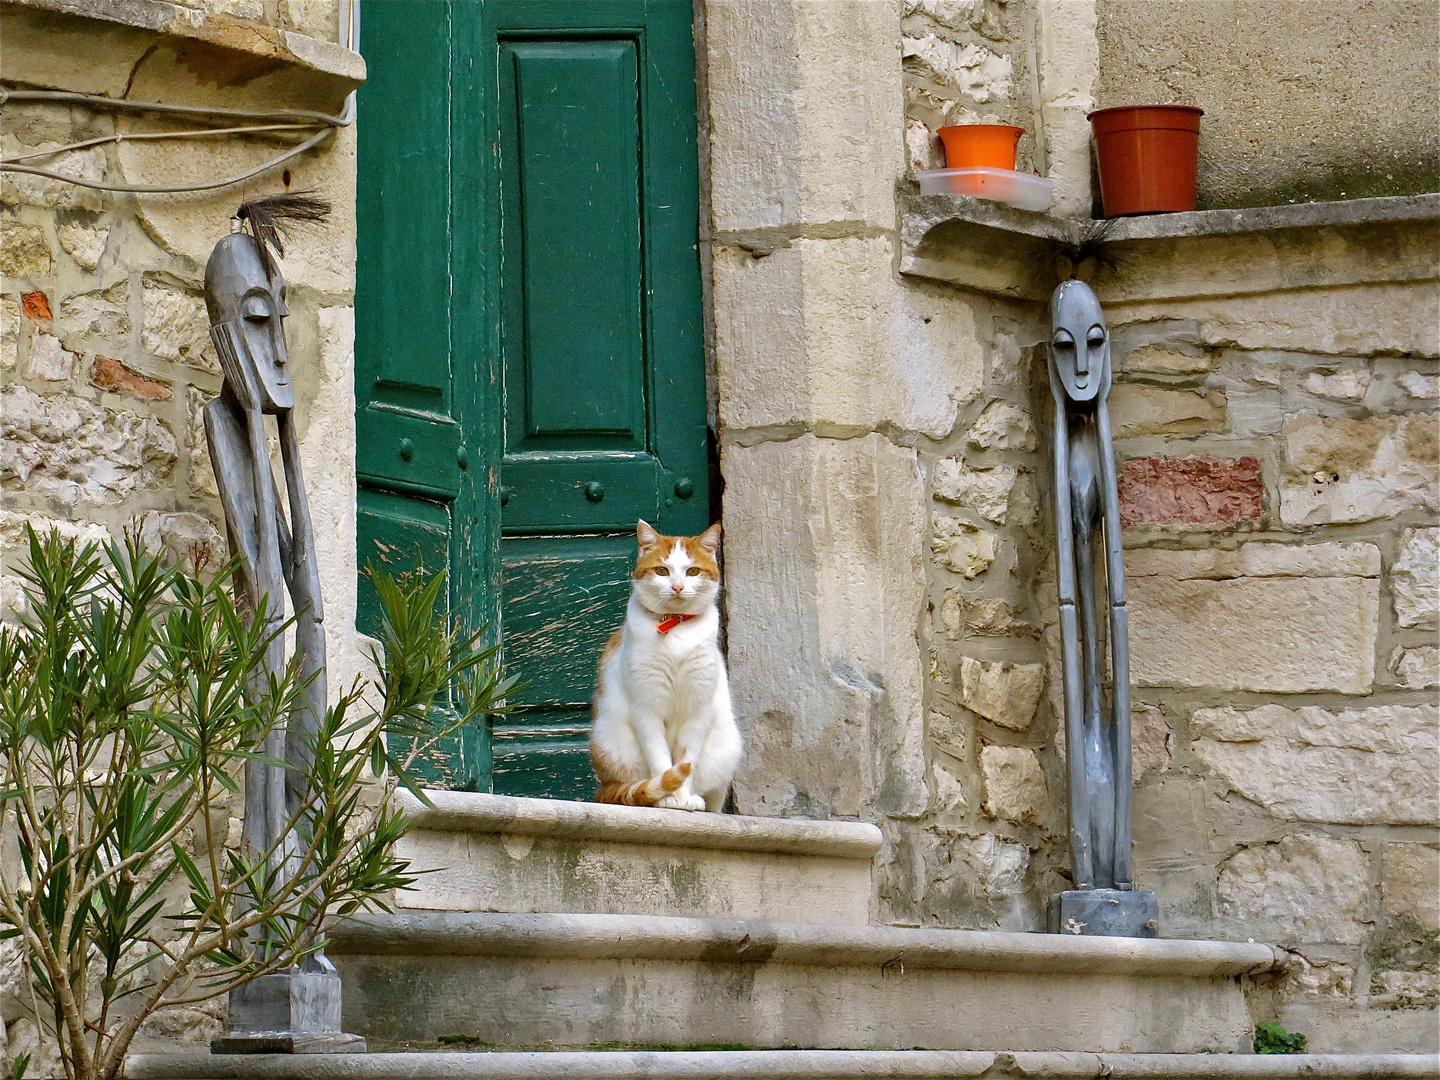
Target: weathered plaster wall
[(105, 355), (1302, 101)]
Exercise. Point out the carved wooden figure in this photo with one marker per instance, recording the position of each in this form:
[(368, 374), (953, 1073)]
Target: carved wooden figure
[(1091, 577), (299, 1010)]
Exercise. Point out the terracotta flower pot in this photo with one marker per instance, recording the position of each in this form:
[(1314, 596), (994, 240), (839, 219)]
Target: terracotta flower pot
[(968, 146), (1147, 156)]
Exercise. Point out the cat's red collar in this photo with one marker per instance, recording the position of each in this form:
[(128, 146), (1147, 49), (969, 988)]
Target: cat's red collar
[(669, 622)]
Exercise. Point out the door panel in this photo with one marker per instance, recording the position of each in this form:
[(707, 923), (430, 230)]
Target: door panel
[(569, 149), (529, 338), (603, 363), (563, 597), (419, 505)]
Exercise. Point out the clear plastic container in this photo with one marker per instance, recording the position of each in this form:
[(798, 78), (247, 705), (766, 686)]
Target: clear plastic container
[(1020, 190)]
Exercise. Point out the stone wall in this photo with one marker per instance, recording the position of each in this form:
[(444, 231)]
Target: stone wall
[(889, 544), (105, 355), (1278, 461)]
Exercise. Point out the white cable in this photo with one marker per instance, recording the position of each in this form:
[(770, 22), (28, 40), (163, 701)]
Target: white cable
[(171, 189), (120, 104), (119, 137)]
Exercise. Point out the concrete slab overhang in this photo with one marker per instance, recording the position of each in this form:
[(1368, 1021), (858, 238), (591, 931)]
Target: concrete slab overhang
[(1020, 254), (43, 38)]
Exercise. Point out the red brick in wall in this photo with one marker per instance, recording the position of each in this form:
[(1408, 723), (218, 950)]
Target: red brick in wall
[(1208, 492)]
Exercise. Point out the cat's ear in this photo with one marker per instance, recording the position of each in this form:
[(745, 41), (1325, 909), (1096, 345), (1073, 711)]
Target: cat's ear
[(647, 536), (710, 538)]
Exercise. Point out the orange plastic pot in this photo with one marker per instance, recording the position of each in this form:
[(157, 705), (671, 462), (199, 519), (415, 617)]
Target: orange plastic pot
[(1147, 156), (968, 146)]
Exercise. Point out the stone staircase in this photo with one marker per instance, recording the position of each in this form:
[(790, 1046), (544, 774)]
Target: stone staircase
[(540, 923), (584, 941)]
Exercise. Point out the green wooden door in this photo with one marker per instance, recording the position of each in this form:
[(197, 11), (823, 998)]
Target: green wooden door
[(572, 386)]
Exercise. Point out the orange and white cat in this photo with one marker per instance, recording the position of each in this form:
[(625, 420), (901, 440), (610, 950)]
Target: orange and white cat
[(664, 732)]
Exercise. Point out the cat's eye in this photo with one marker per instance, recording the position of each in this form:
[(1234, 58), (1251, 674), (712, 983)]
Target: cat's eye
[(694, 571), (662, 571)]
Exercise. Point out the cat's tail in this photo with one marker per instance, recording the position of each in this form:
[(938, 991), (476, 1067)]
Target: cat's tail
[(645, 792)]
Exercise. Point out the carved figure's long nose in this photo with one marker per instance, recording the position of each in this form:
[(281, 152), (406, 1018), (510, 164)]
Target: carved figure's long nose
[(1082, 358)]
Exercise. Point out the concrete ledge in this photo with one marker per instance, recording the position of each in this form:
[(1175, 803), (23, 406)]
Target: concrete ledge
[(781, 1065), (459, 811), (1013, 253), (652, 937), (342, 69), (1270, 218)]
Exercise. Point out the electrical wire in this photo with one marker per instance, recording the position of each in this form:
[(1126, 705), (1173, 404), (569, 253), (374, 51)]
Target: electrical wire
[(302, 119), (120, 137)]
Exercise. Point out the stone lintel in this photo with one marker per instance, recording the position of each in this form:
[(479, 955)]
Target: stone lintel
[(338, 69), (734, 941), (458, 811), (786, 1065)]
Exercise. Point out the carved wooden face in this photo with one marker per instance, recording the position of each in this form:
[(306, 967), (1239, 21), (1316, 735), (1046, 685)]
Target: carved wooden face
[(1079, 341), (249, 303)]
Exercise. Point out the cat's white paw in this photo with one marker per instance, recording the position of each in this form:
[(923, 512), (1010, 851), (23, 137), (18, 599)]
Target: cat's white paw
[(678, 800)]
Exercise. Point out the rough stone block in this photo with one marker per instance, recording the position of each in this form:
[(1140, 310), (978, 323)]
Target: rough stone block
[(1204, 493), (73, 451), (13, 525), (827, 586), (1410, 883), (110, 374), (82, 242), (985, 491), (101, 313), (1157, 360), (1418, 669), (1003, 426), (48, 194), (1343, 470), (816, 332), (1372, 766), (1014, 784), (1332, 559), (1404, 990), (177, 327), (189, 538), (1139, 409), (1363, 320), (1242, 631), (971, 69), (49, 359), (1341, 386), (1003, 692), (9, 331), (23, 251), (1303, 888), (975, 881), (1304, 979), (951, 734), (985, 616), (959, 546), (36, 305), (1152, 743), (1420, 387), (1415, 579)]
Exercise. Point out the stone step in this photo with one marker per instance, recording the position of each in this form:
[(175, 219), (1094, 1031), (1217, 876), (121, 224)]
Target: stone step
[(507, 854), (562, 981), (783, 1065)]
